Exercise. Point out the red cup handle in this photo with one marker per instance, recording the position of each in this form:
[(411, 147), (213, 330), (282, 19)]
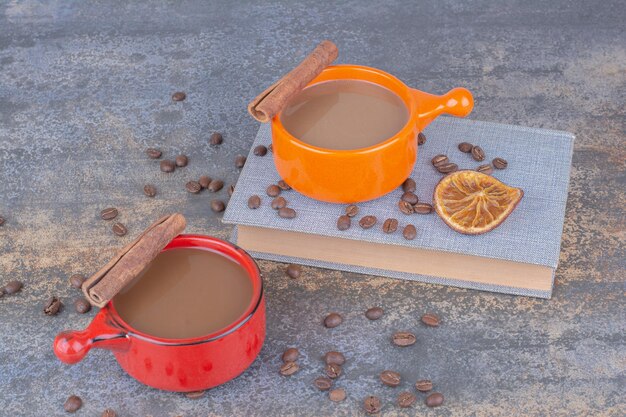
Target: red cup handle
[(71, 346)]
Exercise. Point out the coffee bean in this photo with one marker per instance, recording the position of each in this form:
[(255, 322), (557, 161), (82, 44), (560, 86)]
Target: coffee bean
[(335, 358), (52, 306), (218, 206), (343, 222), (406, 399), (82, 306), (423, 208), (477, 153), (465, 147), (12, 287), (278, 203), (153, 153), (290, 355), (72, 404), (182, 161), (194, 395), (231, 190), (273, 190), (372, 404), (108, 213), (254, 202), (260, 150), (439, 159), (434, 400), (149, 190), (409, 232), (499, 163), (323, 383), (367, 222), (287, 213), (403, 339), (485, 169), (293, 271), (405, 207), (167, 165), (2, 220), (179, 96), (289, 368), (109, 413), (423, 385), (374, 313), (337, 395), (333, 320), (390, 226), (77, 280), (119, 229), (409, 197), (390, 378), (447, 168), (430, 319), (409, 185), (216, 139), (333, 370), (193, 187), (283, 185), (352, 210), (240, 161), (215, 185), (421, 139)]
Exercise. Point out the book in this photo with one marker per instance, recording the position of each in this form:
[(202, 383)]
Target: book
[(518, 257)]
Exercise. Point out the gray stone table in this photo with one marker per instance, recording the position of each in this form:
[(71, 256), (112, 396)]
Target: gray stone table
[(85, 88)]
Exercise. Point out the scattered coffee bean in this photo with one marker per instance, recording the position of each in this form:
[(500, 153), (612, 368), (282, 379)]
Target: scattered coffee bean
[(12, 287), (167, 165), (352, 210), (323, 383), (231, 190), (254, 202), (293, 271), (430, 319), (181, 161), (409, 232), (405, 207), (367, 222), (215, 185), (423, 385), (477, 153), (82, 306), (337, 395), (218, 206), (204, 181), (119, 229), (290, 355), (447, 168), (149, 190), (485, 169), (374, 313), (439, 159), (193, 187), (403, 339), (421, 139), (333, 370), (390, 226), (334, 357), (465, 147), (108, 213), (73, 403), (52, 307), (499, 163), (273, 190), (333, 320), (287, 213), (216, 139), (409, 185), (372, 404), (240, 161), (283, 185), (390, 378), (434, 400), (423, 208), (109, 413), (406, 399), (260, 150), (179, 96), (289, 368), (343, 222), (278, 203), (409, 197), (77, 280), (194, 395), (2, 220), (153, 153)]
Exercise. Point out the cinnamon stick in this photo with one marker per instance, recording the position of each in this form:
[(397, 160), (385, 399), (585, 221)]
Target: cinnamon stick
[(101, 287), (271, 101)]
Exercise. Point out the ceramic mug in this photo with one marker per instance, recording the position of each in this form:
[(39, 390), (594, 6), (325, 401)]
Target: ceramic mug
[(178, 364), (356, 175)]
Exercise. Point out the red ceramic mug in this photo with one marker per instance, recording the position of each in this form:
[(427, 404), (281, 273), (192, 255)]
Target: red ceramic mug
[(178, 364)]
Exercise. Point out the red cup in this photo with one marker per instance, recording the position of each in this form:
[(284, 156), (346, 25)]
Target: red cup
[(182, 365)]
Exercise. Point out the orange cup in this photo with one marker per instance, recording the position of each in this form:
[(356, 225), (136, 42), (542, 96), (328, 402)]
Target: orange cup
[(355, 175)]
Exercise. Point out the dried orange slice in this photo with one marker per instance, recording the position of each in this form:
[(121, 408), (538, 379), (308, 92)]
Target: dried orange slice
[(473, 203)]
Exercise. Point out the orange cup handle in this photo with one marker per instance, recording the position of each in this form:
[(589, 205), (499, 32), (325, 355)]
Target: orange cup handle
[(456, 102)]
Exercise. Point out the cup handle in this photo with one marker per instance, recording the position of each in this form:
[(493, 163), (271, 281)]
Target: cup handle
[(71, 346), (456, 102)]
